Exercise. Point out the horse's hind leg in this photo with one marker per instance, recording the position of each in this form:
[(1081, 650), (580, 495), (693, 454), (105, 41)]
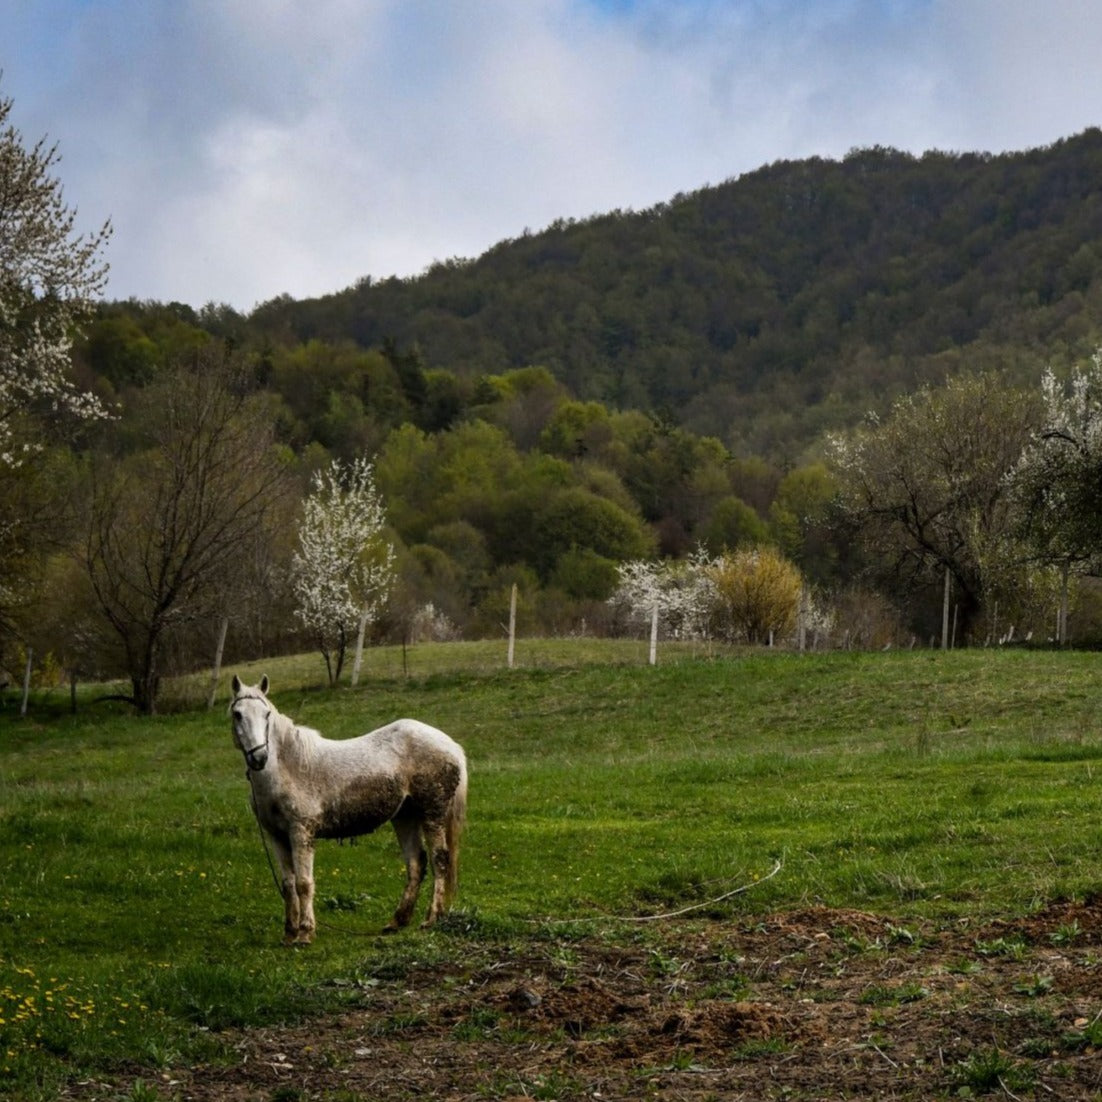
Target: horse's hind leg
[(408, 830), (437, 841)]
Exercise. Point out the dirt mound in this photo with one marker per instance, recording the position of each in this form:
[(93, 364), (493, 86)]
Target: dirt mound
[(812, 1004)]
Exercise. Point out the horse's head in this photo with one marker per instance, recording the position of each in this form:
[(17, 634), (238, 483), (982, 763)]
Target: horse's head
[(252, 714)]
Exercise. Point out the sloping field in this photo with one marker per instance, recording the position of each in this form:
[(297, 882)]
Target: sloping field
[(883, 869)]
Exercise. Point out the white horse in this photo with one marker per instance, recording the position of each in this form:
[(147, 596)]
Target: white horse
[(306, 787)]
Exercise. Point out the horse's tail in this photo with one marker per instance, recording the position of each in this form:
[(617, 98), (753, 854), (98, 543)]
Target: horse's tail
[(453, 828)]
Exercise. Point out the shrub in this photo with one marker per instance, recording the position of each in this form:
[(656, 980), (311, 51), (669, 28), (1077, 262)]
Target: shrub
[(757, 592)]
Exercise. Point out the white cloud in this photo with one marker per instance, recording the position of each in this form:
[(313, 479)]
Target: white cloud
[(251, 147)]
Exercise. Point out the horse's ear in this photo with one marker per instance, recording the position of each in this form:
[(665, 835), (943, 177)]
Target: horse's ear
[(236, 684), (264, 684)]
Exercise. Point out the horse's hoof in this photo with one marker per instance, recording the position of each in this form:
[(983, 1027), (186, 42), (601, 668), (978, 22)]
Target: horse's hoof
[(298, 938)]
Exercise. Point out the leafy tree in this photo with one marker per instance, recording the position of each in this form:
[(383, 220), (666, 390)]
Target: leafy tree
[(410, 369), (926, 489), (37, 517), (344, 397), (49, 278), (427, 576), (584, 574), (118, 350), (407, 472), (491, 618), (732, 524), (575, 518), (446, 396), (801, 520), (170, 525), (344, 565), (527, 401), (577, 429)]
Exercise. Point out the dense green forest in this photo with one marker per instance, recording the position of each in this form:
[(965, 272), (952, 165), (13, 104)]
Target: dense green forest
[(638, 385), (775, 305)]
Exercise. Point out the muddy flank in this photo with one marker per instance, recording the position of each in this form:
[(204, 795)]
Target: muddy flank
[(817, 1004)]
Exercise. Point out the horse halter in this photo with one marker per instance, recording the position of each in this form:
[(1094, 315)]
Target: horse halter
[(261, 747)]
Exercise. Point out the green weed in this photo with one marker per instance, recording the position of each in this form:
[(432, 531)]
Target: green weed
[(1011, 948), (992, 1070), (1033, 986)]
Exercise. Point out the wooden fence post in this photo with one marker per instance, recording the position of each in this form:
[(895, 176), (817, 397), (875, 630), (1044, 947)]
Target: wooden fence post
[(945, 612), (512, 624), (361, 630), (217, 669), (26, 682), (1062, 620)]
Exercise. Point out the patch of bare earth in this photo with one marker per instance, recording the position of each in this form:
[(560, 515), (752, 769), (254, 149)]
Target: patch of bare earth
[(815, 1004)]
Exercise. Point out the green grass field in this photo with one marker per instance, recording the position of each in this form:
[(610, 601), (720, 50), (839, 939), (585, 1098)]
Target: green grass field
[(138, 914)]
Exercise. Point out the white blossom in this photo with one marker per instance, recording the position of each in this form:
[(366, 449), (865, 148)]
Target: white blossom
[(343, 567), (49, 278), (1056, 479), (683, 592)]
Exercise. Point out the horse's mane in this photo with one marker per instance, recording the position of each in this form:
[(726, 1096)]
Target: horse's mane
[(300, 743)]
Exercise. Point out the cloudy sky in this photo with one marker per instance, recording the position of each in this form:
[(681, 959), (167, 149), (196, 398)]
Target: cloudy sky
[(249, 148)]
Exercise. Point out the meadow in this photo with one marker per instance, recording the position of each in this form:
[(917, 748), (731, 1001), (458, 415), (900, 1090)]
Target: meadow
[(139, 920)]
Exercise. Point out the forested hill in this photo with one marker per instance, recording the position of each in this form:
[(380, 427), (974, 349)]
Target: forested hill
[(775, 305)]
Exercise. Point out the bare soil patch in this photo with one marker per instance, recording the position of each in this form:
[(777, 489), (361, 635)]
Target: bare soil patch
[(811, 1004)]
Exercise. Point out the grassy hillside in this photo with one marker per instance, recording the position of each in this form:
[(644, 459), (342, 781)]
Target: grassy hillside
[(136, 903)]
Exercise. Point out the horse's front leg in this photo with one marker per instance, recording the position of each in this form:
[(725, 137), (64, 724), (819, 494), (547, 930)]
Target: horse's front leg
[(287, 888), (298, 893)]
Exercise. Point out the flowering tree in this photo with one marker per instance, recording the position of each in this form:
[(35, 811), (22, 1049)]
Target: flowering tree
[(1055, 483), (925, 490), (683, 592), (49, 278), (343, 568)]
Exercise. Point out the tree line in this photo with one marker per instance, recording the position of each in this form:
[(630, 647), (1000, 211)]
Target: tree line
[(160, 482)]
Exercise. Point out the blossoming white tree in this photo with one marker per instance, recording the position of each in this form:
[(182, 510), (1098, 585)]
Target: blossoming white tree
[(344, 565), (49, 279), (683, 593), (1055, 484)]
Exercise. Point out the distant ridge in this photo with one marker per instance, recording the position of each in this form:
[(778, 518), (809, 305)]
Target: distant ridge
[(776, 305)]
